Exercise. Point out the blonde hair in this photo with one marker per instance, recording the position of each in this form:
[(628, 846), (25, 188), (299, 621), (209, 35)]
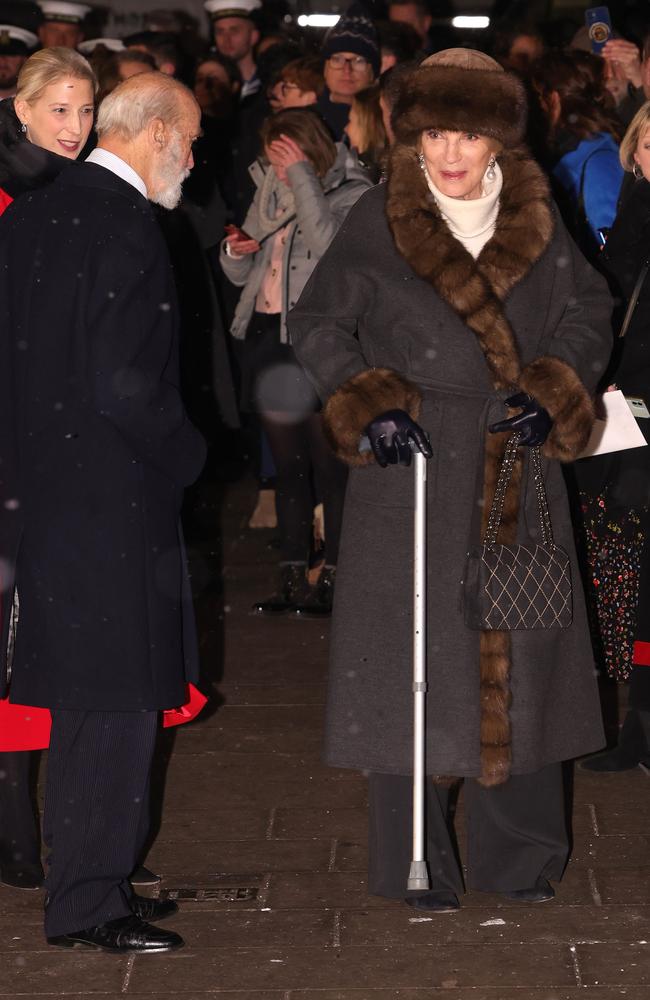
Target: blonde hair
[(637, 127), (48, 66)]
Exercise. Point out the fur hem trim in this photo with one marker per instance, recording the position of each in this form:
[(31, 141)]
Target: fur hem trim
[(460, 100), (363, 397), (558, 387)]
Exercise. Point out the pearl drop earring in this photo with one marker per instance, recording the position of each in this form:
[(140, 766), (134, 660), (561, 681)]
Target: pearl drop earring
[(490, 173), (23, 127)]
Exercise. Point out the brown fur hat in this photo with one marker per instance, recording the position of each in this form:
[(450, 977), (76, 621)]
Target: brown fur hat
[(460, 90)]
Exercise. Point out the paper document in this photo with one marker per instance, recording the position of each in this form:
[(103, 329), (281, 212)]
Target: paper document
[(617, 430)]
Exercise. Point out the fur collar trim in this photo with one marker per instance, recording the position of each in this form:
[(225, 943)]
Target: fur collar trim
[(475, 289)]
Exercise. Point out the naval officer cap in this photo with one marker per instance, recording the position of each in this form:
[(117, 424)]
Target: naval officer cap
[(16, 41), (110, 44), (218, 9), (64, 11)]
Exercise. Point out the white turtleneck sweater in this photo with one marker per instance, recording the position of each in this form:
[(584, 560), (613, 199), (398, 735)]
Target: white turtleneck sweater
[(472, 220)]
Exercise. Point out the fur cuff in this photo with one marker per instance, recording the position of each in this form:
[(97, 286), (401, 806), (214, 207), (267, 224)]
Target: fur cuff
[(363, 397), (558, 387)]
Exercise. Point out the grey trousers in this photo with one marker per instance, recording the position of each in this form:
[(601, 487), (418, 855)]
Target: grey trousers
[(96, 808), (516, 833)]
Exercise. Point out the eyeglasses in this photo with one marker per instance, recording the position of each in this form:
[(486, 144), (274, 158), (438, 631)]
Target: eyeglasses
[(284, 87), (356, 63)]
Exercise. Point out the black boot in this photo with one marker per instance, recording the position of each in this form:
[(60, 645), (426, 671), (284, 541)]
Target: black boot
[(292, 591), (20, 861), (318, 603), (633, 746)]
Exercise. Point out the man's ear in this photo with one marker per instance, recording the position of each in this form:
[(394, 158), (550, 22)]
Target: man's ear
[(255, 37), (157, 133)]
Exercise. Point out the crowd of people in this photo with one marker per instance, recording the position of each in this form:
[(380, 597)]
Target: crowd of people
[(355, 245)]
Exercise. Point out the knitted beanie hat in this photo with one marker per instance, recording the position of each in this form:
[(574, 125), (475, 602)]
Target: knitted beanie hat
[(460, 90), (354, 32)]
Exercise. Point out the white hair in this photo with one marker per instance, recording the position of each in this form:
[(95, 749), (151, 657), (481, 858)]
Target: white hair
[(138, 101)]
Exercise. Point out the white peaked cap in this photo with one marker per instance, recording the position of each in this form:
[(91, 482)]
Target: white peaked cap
[(64, 10), (231, 8), (112, 44), (18, 35)]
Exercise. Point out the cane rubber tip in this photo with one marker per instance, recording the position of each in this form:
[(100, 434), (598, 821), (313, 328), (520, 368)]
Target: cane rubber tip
[(418, 876)]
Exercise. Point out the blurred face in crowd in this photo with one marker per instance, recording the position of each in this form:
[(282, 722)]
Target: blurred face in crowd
[(642, 153), (173, 165), (524, 50), (62, 117), (346, 74), (128, 69), (457, 161), (293, 97), (212, 87), (52, 33), (235, 37), (10, 67), (411, 13)]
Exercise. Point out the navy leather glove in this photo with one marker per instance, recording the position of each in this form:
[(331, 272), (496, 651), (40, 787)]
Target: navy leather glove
[(533, 424), (393, 434)]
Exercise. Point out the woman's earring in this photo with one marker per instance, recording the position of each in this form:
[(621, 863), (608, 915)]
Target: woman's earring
[(636, 170), (23, 127), (423, 165), (490, 173)]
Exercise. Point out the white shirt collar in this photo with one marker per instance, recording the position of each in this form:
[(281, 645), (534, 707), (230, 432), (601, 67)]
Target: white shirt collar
[(118, 166)]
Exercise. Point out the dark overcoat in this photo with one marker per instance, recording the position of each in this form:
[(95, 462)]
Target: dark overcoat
[(95, 450), (398, 314)]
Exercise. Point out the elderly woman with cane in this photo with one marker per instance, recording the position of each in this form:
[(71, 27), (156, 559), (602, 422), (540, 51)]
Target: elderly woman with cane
[(453, 315)]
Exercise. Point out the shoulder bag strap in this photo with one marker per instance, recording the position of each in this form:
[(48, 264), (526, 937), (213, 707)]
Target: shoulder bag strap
[(634, 298)]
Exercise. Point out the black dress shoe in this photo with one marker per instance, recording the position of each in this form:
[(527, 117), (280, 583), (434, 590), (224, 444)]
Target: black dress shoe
[(539, 893), (142, 876), (22, 876), (293, 590), (152, 909), (437, 902), (123, 935)]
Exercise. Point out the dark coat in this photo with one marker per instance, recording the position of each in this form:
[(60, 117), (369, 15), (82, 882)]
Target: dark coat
[(398, 314), (95, 448), (625, 476)]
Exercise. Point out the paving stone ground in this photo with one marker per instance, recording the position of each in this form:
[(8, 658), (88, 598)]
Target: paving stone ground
[(265, 848)]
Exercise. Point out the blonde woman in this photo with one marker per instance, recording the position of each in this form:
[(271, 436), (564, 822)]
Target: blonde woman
[(615, 489), (365, 130), (44, 127)]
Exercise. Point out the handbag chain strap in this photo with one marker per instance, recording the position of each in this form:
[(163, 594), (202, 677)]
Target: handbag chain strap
[(505, 475)]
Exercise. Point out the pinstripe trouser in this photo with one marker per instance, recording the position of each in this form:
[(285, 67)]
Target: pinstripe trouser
[(96, 806)]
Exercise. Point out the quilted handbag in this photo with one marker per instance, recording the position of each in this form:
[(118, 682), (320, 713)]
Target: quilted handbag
[(524, 585)]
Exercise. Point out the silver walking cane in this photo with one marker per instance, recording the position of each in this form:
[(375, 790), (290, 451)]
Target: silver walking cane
[(418, 874)]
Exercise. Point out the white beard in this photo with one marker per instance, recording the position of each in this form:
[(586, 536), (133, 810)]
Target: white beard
[(170, 195)]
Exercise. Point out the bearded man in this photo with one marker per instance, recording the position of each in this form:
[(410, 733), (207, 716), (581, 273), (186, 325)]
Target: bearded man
[(95, 452)]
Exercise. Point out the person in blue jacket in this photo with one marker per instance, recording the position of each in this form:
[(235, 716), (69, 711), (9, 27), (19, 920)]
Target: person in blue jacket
[(582, 143)]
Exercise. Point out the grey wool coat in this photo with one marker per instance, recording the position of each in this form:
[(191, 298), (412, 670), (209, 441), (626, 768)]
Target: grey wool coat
[(320, 210), (398, 314)]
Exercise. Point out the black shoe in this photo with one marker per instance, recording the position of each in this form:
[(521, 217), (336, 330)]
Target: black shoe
[(318, 603), (152, 909), (27, 876), (616, 759), (293, 590), (123, 935), (142, 876), (539, 893), (437, 902)]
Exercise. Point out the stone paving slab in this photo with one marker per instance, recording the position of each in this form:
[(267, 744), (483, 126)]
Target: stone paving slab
[(447, 966)]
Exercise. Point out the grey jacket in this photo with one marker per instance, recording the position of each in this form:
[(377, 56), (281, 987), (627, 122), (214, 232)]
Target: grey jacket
[(320, 210)]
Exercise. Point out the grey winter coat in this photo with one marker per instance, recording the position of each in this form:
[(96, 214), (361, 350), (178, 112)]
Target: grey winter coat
[(398, 314), (320, 210)]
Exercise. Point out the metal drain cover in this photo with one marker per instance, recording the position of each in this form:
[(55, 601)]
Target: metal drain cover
[(224, 894)]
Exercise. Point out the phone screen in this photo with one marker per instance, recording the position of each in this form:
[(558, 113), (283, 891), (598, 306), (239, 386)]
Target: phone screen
[(599, 25)]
